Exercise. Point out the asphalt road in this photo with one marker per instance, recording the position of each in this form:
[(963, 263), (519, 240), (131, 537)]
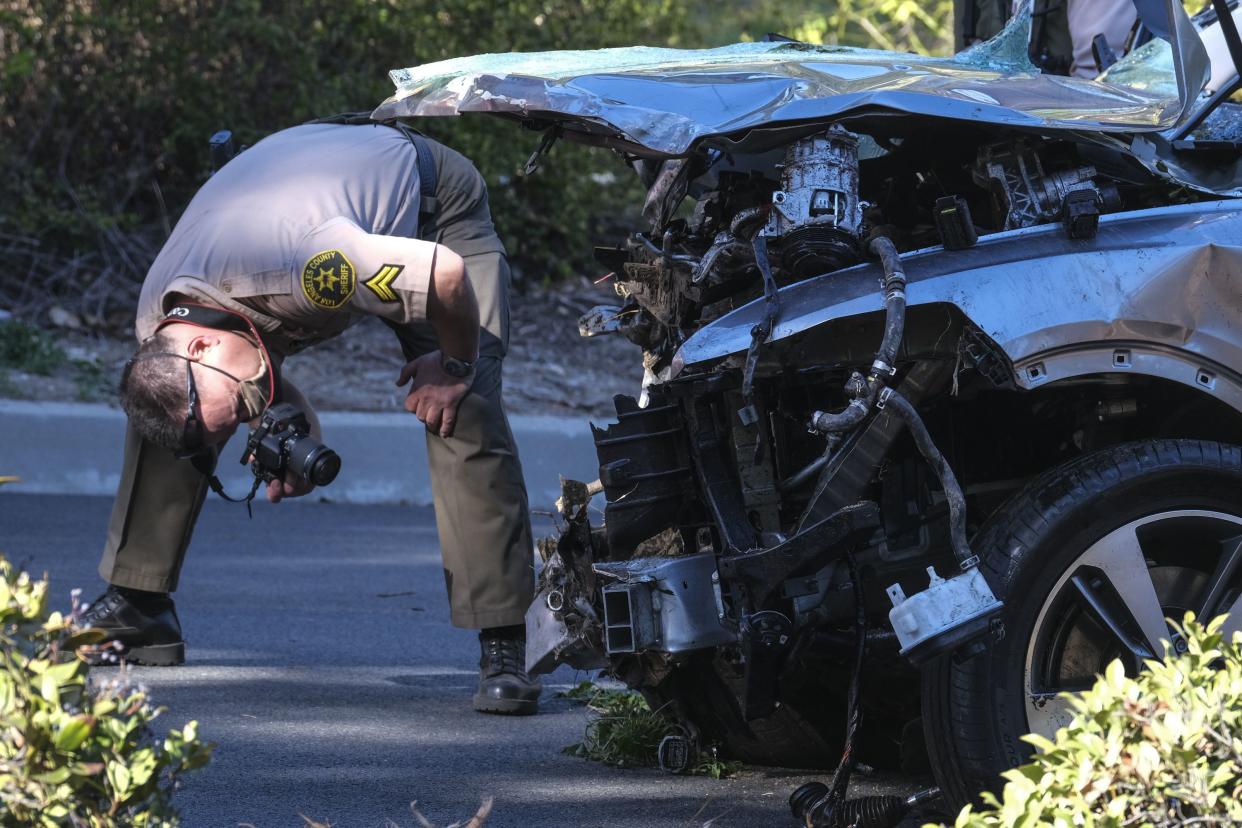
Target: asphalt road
[(322, 664)]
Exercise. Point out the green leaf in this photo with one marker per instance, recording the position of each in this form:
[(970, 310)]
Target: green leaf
[(142, 766), (49, 689), (55, 776), (74, 733), (118, 778), (64, 673)]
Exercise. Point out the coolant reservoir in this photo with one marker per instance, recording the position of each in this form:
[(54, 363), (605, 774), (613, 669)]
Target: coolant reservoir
[(947, 615)]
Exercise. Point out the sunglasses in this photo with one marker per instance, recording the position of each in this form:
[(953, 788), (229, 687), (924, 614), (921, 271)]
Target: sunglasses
[(193, 438), (193, 433)]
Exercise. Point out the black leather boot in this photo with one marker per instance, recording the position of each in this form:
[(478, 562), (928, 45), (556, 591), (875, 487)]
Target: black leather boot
[(504, 686), (142, 628)]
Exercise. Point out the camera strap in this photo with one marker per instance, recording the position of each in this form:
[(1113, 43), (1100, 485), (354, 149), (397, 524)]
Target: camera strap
[(205, 462), (218, 488)]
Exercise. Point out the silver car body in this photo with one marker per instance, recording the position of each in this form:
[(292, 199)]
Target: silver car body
[(1157, 292)]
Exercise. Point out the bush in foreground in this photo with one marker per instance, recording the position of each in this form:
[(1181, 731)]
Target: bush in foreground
[(1161, 749), (73, 753)]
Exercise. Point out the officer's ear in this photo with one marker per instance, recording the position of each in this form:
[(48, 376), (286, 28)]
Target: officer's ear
[(202, 344)]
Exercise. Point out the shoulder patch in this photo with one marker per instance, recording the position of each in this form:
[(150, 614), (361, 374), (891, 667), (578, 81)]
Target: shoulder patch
[(381, 283), (328, 279)]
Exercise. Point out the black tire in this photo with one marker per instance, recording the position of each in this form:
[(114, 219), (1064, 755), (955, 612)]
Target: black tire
[(975, 712)]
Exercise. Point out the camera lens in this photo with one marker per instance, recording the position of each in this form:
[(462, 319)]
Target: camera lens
[(324, 467), (312, 460)]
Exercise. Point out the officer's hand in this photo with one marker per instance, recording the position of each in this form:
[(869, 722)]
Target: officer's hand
[(435, 395), (291, 486)]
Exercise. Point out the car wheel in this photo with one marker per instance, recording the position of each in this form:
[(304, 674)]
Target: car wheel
[(1090, 558)]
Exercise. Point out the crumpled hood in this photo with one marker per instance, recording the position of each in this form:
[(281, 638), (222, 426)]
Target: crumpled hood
[(662, 102)]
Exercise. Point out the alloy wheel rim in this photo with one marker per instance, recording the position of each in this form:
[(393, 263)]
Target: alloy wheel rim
[(1112, 600)]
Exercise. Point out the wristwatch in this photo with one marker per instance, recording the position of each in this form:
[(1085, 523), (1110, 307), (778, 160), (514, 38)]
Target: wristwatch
[(457, 368)]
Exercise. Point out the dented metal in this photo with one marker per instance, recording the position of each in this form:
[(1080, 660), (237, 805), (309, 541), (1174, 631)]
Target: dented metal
[(761, 483), (662, 102), (1157, 292), (664, 604)]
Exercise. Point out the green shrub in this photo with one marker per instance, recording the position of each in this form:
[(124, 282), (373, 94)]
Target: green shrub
[(106, 107), (29, 349), (73, 752), (1161, 749)]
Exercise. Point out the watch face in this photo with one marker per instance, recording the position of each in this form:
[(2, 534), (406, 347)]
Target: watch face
[(456, 367)]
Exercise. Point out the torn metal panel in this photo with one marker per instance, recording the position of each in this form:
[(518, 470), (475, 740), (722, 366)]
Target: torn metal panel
[(662, 102), (646, 476), (1164, 285), (667, 604), (1209, 172), (561, 624)]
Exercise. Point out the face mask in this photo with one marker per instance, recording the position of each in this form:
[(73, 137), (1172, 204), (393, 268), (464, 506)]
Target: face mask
[(253, 400), (257, 392)]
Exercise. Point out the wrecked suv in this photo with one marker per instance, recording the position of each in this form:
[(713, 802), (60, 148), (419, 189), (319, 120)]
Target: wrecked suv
[(942, 383)]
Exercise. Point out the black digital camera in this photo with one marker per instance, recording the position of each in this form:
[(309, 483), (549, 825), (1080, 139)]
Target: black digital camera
[(282, 443)]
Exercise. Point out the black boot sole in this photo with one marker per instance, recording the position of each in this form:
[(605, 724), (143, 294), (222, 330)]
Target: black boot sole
[(155, 655), (506, 707)]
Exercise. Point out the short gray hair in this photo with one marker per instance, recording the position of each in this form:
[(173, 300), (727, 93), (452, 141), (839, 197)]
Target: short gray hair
[(153, 392)]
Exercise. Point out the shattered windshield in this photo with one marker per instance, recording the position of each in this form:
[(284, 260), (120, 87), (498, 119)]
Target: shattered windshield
[(662, 102), (1148, 68), (665, 100)]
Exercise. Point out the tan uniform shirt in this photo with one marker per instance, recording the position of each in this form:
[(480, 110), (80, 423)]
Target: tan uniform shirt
[(1087, 18), (304, 233)]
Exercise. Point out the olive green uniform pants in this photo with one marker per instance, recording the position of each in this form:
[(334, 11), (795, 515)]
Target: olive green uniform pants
[(479, 492)]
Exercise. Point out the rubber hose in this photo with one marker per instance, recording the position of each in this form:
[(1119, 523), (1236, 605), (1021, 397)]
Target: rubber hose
[(843, 420), (810, 470), (948, 481), (805, 798), (811, 806), (872, 811), (894, 330), (894, 299)]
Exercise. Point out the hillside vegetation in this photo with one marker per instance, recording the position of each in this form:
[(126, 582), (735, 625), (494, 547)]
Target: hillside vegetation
[(106, 108)]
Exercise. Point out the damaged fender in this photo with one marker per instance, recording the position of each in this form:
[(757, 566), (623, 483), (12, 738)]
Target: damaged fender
[(1157, 292)]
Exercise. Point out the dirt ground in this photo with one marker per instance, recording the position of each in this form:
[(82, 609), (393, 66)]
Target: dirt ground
[(550, 368)]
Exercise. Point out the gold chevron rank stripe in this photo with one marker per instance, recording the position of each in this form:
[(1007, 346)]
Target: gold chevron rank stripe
[(380, 283)]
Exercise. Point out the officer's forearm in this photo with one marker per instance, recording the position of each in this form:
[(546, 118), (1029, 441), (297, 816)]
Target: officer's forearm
[(452, 309)]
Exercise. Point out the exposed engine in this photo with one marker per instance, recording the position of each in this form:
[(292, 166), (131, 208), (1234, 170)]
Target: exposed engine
[(1023, 195), (816, 215), (811, 206), (789, 505)]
